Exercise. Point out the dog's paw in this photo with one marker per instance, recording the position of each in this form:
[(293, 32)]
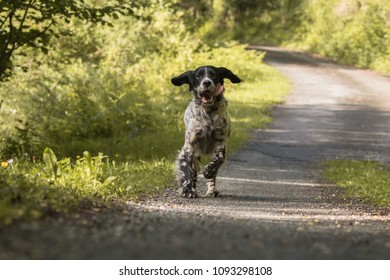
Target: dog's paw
[(210, 171), (213, 193), (189, 192)]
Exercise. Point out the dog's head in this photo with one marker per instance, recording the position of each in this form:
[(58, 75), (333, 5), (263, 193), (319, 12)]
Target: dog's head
[(206, 83)]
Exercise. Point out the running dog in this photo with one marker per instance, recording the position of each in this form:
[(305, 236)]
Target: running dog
[(207, 127)]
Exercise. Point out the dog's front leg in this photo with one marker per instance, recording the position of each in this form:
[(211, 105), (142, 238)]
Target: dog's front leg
[(211, 188), (186, 171), (211, 169)]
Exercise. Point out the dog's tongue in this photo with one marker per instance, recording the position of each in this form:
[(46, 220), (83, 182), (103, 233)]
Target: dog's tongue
[(218, 90), (210, 95)]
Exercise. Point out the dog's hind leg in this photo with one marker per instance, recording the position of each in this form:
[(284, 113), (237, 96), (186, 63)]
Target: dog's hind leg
[(186, 173)]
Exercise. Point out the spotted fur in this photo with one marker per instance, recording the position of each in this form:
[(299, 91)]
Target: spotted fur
[(207, 126)]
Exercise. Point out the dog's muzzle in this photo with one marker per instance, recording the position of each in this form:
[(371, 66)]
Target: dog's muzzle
[(207, 97)]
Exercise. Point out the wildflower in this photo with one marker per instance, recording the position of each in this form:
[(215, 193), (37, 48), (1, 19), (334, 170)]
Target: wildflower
[(7, 163)]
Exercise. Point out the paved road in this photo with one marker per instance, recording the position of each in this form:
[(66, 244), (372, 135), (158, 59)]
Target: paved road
[(276, 204)]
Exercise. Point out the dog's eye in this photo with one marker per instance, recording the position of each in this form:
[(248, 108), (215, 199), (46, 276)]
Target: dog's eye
[(198, 76)]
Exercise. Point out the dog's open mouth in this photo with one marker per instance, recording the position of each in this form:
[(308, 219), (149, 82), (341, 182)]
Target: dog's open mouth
[(207, 97)]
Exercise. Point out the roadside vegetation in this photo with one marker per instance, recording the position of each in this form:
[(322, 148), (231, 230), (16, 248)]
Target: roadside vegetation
[(88, 116), (354, 32), (365, 180)]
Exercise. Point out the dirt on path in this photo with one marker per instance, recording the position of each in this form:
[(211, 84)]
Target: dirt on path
[(275, 204)]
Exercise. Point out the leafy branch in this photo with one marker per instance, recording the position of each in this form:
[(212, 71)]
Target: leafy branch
[(28, 22)]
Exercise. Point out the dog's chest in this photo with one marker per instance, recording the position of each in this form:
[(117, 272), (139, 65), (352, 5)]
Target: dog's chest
[(206, 127)]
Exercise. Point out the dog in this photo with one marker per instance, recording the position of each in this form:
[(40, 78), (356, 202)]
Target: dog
[(207, 127)]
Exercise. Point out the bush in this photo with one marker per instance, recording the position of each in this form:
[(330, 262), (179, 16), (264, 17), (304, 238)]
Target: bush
[(109, 83), (352, 32), (101, 82), (355, 32)]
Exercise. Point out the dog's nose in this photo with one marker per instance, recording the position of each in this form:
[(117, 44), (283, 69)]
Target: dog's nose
[(207, 83)]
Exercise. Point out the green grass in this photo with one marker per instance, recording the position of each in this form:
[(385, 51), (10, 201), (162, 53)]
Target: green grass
[(31, 190), (250, 105), (366, 180), (127, 167)]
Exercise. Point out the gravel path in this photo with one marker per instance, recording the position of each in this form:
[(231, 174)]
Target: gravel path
[(275, 204)]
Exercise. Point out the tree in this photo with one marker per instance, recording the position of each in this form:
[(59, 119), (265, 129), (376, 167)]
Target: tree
[(29, 23)]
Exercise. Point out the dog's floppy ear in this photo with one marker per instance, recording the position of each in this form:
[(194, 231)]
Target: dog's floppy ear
[(185, 78), (226, 73)]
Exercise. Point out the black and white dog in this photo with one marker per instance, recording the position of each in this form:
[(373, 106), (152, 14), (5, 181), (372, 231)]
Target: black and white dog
[(207, 126)]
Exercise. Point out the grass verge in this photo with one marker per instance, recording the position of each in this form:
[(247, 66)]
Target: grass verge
[(250, 105), (31, 190), (366, 180)]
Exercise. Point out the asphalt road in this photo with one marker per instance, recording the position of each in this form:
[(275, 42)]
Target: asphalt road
[(275, 204)]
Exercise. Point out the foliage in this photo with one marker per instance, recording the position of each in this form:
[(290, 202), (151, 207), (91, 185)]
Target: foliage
[(106, 82), (31, 22), (101, 82), (355, 32), (266, 21), (367, 180), (35, 189)]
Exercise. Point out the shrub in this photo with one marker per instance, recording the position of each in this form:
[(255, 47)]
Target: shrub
[(101, 82), (352, 32), (355, 32), (109, 82)]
